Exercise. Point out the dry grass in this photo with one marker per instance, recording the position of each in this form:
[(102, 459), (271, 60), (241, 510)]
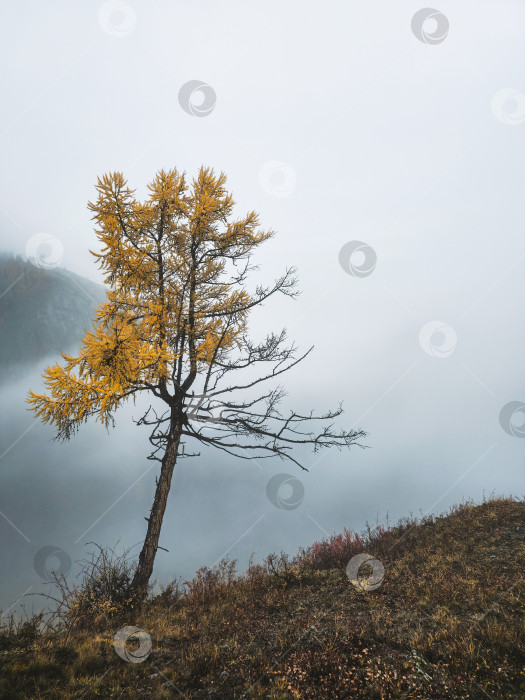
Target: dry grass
[(447, 622)]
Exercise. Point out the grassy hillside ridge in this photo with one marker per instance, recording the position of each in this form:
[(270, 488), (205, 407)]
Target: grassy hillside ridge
[(41, 312), (446, 622)]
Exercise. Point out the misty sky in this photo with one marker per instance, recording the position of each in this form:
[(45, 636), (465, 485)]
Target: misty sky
[(337, 124)]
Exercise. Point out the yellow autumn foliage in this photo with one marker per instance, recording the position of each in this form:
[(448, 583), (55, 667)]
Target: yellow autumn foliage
[(170, 309)]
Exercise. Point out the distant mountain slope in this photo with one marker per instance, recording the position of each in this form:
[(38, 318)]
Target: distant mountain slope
[(41, 312)]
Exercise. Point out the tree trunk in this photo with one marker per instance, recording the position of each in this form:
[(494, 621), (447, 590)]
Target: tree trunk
[(139, 585)]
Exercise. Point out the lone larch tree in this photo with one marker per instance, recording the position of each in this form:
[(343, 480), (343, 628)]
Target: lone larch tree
[(175, 323)]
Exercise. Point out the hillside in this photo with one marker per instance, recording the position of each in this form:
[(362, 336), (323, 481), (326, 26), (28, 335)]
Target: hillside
[(446, 622), (42, 312)]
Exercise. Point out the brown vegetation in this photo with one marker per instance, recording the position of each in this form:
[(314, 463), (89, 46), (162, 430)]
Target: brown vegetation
[(447, 622)]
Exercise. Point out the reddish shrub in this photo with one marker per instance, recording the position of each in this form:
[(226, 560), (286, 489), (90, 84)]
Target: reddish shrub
[(332, 552), (209, 583)]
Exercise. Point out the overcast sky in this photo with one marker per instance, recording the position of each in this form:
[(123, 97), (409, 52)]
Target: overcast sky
[(338, 122)]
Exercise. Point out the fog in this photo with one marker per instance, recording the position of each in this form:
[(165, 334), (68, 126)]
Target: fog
[(337, 124)]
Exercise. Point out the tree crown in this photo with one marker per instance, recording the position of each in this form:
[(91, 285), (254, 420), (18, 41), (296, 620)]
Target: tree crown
[(176, 317)]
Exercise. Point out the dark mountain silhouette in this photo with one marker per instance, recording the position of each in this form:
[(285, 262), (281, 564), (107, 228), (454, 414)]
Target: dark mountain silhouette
[(42, 313)]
